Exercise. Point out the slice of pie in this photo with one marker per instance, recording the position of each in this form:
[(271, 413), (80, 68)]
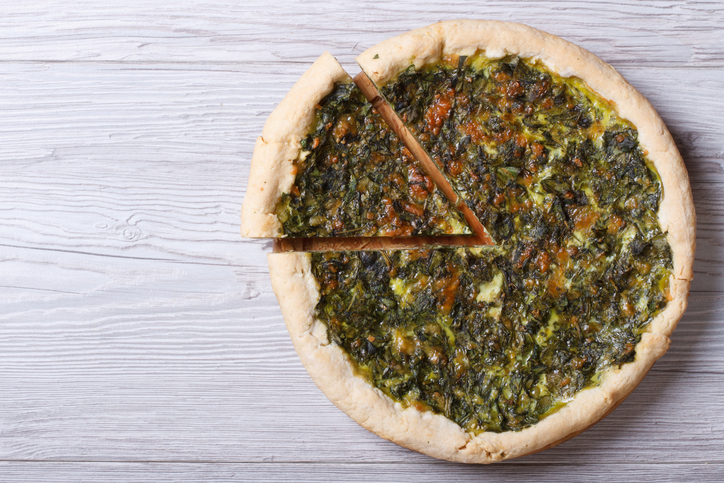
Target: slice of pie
[(326, 165), (478, 354)]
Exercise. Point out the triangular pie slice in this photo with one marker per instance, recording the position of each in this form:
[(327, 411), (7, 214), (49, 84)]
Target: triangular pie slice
[(327, 165)]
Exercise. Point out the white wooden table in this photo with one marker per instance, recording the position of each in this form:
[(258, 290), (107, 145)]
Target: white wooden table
[(139, 336)]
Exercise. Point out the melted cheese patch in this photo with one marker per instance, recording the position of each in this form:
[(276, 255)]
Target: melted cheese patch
[(490, 291)]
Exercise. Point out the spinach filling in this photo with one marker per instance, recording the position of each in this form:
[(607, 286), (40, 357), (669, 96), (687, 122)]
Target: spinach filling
[(473, 334), (497, 338), (530, 152), (355, 178)]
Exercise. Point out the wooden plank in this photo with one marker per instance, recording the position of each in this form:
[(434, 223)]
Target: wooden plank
[(427, 471), (653, 32), (152, 161), (210, 113)]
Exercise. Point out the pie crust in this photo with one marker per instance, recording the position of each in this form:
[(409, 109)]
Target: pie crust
[(333, 370), (272, 164)]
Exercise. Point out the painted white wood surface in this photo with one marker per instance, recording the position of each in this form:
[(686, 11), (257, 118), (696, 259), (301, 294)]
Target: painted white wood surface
[(139, 337)]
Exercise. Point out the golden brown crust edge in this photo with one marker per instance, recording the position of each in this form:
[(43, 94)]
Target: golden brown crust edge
[(432, 434), (272, 164)]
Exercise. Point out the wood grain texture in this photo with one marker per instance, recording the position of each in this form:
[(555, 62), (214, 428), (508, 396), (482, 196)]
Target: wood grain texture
[(139, 337), (650, 32), (427, 472)]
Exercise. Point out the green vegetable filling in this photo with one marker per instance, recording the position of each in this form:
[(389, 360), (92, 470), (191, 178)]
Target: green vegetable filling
[(529, 151), (355, 178), (472, 334), (497, 338)]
